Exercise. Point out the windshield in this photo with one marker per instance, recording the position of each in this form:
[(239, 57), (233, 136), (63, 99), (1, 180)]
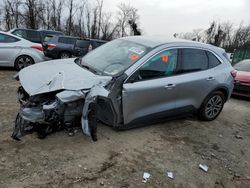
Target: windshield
[(115, 56), (243, 65)]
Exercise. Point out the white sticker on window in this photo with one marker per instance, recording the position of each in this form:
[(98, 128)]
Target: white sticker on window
[(136, 50)]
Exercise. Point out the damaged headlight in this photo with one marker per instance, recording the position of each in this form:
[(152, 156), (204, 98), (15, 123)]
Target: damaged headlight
[(22, 96)]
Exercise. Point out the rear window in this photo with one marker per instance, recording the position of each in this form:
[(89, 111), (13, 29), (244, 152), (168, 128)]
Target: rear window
[(194, 60), (19, 33), (243, 65), (66, 40), (213, 61)]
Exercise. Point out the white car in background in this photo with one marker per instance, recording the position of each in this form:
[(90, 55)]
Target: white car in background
[(18, 52)]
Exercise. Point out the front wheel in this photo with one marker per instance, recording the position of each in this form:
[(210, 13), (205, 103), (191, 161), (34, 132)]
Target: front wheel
[(212, 106)]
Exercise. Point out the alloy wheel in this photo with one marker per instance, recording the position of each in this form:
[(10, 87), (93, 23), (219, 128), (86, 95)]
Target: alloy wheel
[(24, 62), (214, 106)]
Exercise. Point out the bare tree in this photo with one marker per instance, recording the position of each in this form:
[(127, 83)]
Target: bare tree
[(81, 18), (123, 18), (100, 6), (31, 14), (109, 30), (70, 18), (11, 16)]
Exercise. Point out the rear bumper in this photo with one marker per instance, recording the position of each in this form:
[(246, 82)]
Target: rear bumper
[(241, 90), (51, 54)]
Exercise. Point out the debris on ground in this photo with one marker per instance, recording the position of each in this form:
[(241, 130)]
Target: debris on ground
[(146, 176), (247, 178), (203, 167), (170, 175), (3, 159), (238, 136), (236, 175), (24, 178)]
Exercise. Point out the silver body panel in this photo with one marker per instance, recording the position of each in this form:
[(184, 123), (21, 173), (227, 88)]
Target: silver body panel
[(144, 98)]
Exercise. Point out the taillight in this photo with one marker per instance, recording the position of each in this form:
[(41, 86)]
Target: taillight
[(50, 46), (233, 73), (40, 48)]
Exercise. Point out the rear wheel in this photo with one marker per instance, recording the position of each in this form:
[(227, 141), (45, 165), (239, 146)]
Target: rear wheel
[(64, 55), (212, 106), (23, 61)]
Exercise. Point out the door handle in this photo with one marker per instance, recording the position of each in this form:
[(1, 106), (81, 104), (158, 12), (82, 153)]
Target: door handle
[(210, 78), (170, 86)]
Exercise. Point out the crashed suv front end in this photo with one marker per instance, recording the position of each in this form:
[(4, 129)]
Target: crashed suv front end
[(55, 105)]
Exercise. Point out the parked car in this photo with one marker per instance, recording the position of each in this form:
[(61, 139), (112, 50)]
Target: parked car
[(38, 36), (242, 79), (60, 47), (18, 52), (124, 83), (83, 46)]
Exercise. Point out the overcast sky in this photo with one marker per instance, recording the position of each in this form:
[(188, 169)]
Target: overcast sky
[(165, 17)]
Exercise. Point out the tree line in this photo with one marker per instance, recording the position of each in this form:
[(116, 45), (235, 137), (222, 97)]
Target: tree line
[(83, 18), (222, 34)]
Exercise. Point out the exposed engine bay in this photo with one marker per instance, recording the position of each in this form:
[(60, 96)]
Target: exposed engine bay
[(46, 113)]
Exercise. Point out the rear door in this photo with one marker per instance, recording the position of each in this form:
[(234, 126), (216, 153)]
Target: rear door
[(195, 80), (150, 91), (9, 49)]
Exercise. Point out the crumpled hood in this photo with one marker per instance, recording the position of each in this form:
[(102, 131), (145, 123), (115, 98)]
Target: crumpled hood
[(56, 75)]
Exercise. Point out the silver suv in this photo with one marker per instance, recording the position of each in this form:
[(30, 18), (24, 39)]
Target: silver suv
[(124, 83)]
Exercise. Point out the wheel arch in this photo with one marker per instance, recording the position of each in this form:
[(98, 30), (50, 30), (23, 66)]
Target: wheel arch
[(222, 89), (62, 51)]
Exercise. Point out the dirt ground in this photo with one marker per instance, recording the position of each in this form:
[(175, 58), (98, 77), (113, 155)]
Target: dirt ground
[(119, 158)]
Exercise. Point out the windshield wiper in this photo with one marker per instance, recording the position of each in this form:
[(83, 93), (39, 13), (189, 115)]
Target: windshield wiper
[(79, 62), (89, 68)]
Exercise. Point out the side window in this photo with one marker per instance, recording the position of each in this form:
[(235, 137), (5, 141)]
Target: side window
[(213, 61), (62, 40), (7, 39), (66, 40), (193, 60), (33, 36), (19, 33), (161, 65), (72, 41)]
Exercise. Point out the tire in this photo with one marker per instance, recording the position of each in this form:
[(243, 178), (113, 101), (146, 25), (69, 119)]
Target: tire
[(23, 61), (212, 106), (64, 55)]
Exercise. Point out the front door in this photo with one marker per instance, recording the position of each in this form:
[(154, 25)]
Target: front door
[(152, 89)]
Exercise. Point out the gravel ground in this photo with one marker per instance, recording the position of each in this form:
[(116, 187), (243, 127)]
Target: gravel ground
[(118, 159)]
